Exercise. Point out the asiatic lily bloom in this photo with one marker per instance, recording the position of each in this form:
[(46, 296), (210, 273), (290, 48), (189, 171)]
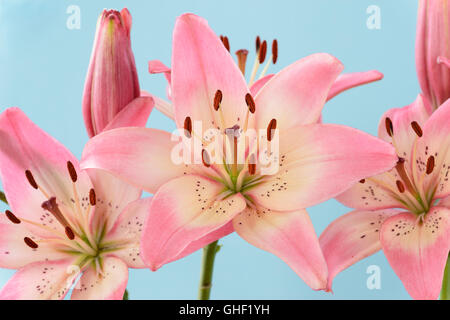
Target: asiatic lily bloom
[(342, 83), (398, 211), (112, 84), (433, 51), (64, 222), (197, 203)]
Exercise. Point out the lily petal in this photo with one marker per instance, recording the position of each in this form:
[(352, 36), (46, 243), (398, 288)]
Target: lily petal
[(351, 238), (182, 211), (288, 235), (200, 66), (257, 86), (146, 163), (350, 80), (128, 230), (297, 94), (26, 147), (135, 114), (108, 284), (418, 251), (14, 253), (41, 281), (319, 161)]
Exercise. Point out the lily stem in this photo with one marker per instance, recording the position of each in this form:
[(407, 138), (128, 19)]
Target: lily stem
[(3, 197), (445, 291), (209, 255)]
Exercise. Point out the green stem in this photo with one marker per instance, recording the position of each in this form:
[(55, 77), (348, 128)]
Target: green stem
[(445, 292), (209, 254), (3, 197), (125, 295)]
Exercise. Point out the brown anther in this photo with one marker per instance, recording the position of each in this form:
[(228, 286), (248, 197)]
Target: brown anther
[(252, 165), (362, 181), (400, 186), (430, 164), (417, 129), (205, 158), (274, 51), (250, 103), (258, 44), (389, 126), (225, 42), (69, 233), (12, 217), (217, 99), (30, 243), (92, 197), (262, 52), (188, 127), (72, 171), (271, 128), (242, 59), (30, 179)]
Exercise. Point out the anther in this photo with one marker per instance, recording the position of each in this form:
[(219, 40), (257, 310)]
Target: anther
[(252, 165), (12, 217), (250, 103), (389, 126), (69, 233), (30, 243), (258, 44), (242, 59), (270, 129), (217, 99), (72, 171), (92, 197), (262, 52), (362, 181), (205, 158), (417, 129), (400, 186), (225, 42), (430, 164), (274, 51), (30, 179), (188, 127)]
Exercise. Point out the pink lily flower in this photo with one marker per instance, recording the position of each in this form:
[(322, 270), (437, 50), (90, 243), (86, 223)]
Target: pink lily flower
[(196, 204), (342, 83), (398, 211), (112, 85), (433, 51), (64, 221)]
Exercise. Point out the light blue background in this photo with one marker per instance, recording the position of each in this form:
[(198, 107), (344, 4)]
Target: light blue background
[(43, 66)]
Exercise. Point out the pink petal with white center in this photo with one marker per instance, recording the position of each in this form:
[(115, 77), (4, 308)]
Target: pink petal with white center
[(128, 231), (145, 163), (200, 66), (288, 235), (182, 211), (15, 254), (205, 240), (109, 283), (257, 86), (351, 80), (418, 251), (374, 193), (297, 94), (112, 196), (351, 238), (435, 142), (26, 147), (45, 280), (135, 114), (319, 161)]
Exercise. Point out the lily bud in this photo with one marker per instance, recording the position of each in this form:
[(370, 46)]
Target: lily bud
[(112, 82), (432, 46)]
